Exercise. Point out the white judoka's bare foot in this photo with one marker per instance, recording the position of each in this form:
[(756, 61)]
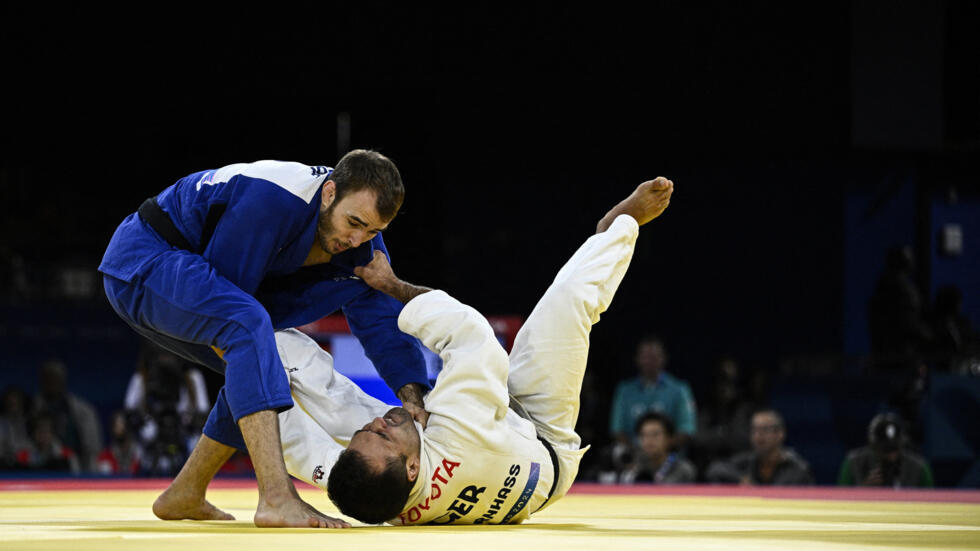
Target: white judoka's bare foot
[(295, 513), (173, 505), (647, 202)]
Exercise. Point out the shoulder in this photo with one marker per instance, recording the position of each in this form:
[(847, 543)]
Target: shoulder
[(858, 454), (914, 458), (628, 386), (675, 382), (685, 466), (790, 456), (80, 404), (742, 458), (300, 180)]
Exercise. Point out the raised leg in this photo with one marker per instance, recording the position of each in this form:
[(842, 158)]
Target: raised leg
[(549, 357)]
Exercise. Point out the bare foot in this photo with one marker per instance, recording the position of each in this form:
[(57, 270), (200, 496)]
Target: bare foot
[(173, 506), (294, 513), (647, 202)]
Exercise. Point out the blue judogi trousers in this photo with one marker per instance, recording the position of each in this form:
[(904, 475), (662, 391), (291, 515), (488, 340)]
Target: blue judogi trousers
[(182, 304)]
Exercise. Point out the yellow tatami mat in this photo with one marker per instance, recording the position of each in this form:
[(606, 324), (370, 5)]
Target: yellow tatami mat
[(110, 519)]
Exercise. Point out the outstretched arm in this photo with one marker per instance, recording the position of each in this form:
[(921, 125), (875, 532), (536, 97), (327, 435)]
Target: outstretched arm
[(379, 275)]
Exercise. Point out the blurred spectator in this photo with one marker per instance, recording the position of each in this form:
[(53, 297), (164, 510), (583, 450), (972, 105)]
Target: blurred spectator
[(769, 462), (46, 452), (723, 422), (72, 419), (14, 435), (653, 390), (885, 461), (899, 333), (956, 345), (654, 460), (123, 454), (167, 402)]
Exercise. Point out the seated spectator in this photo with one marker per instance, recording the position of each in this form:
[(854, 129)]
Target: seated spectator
[(123, 454), (72, 418), (653, 460), (46, 452), (885, 461), (14, 434), (768, 463), (653, 390)]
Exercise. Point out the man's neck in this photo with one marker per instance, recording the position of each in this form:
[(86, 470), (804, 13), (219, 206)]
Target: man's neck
[(772, 458), (656, 461), (651, 380), (317, 255)]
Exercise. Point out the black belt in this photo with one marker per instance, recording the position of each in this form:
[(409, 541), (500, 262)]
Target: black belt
[(151, 213), (554, 463)]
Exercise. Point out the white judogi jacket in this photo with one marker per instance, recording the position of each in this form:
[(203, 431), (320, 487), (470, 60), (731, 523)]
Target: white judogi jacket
[(480, 461)]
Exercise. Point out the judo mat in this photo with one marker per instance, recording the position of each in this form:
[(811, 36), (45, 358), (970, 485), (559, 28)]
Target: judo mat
[(83, 515)]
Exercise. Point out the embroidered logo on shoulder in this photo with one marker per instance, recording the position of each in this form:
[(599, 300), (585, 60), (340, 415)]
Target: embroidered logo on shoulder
[(318, 473), (206, 180), (319, 170)]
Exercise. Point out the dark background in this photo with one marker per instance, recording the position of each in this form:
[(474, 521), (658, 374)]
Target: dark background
[(515, 129)]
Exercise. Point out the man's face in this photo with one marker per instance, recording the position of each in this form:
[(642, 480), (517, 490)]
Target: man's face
[(654, 440), (766, 433), (349, 222), (393, 435), (650, 359)]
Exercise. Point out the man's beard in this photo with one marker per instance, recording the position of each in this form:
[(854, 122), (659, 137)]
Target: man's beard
[(325, 229)]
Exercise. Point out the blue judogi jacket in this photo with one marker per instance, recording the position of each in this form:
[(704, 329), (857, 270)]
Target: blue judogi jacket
[(262, 238)]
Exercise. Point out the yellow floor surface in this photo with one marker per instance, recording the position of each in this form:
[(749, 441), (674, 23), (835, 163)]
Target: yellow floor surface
[(121, 519)]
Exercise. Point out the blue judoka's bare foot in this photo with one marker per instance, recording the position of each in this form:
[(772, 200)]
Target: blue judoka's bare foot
[(647, 202), (173, 505), (279, 503), (184, 498)]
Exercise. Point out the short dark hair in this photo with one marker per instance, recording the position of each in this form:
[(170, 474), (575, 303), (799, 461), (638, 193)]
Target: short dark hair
[(775, 415), (651, 338), (658, 417), (366, 169), (368, 496)]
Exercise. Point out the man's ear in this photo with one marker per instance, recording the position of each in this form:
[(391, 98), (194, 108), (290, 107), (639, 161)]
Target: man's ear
[(412, 466), (328, 194)]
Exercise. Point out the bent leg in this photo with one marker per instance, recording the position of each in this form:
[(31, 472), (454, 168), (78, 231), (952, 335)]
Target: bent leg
[(184, 298), (550, 352), (185, 497)]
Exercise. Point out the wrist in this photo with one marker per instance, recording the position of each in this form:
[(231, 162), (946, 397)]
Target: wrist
[(411, 393)]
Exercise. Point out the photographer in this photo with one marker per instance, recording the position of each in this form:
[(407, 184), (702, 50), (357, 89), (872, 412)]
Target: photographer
[(885, 461)]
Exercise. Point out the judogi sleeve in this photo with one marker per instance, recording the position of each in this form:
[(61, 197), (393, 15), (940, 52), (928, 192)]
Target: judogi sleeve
[(373, 319), (308, 451), (331, 409), (474, 365)]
